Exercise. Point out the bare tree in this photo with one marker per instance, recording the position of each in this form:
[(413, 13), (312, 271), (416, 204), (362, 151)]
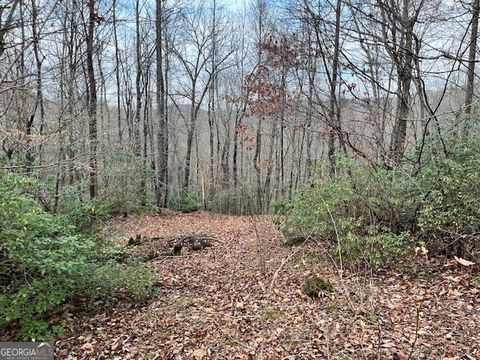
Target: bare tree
[(195, 56), (161, 104), (93, 18), (7, 16), (471, 61)]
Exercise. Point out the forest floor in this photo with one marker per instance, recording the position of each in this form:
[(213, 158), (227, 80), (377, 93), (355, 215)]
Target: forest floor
[(222, 303)]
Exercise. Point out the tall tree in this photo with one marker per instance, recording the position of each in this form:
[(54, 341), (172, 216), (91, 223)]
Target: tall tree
[(162, 169), (92, 98), (471, 62), (398, 34)]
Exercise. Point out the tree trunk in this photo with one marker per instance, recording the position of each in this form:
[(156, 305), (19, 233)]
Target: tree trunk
[(334, 111), (404, 79), (471, 65), (138, 84), (162, 128), (257, 165), (117, 74), (92, 105), (188, 157)]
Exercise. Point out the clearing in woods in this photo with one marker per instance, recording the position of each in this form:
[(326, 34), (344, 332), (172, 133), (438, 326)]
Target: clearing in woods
[(217, 303)]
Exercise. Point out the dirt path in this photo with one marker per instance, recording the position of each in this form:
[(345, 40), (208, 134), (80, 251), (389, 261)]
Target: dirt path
[(217, 304)]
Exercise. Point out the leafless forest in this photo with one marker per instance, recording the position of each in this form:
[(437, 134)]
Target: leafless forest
[(136, 100), (250, 179)]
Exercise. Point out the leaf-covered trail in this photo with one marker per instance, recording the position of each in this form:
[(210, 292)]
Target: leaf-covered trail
[(218, 304)]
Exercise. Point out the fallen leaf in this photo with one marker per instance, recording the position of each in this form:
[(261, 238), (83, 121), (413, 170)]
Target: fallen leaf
[(199, 353), (422, 249), (463, 261)]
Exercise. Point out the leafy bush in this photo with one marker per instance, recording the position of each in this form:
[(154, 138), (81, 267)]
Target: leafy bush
[(436, 202), (358, 197), (373, 250), (312, 210), (449, 197), (363, 212), (185, 201), (84, 214), (44, 263)]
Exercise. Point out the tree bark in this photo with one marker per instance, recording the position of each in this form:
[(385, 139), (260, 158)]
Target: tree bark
[(471, 65), (92, 105), (117, 73), (162, 128)]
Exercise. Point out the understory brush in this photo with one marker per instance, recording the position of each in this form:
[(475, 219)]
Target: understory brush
[(373, 215), (231, 202), (185, 202), (47, 261)]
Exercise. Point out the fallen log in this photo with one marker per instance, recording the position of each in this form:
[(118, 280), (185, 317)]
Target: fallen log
[(166, 246)]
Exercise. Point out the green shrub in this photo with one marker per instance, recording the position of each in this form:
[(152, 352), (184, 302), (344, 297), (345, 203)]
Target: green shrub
[(363, 212), (185, 201), (449, 197), (314, 211), (373, 250), (45, 262), (436, 201), (358, 197), (84, 214)]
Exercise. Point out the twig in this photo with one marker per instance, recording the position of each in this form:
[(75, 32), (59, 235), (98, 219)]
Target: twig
[(417, 326), (172, 256), (379, 340), (260, 247), (275, 276)]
